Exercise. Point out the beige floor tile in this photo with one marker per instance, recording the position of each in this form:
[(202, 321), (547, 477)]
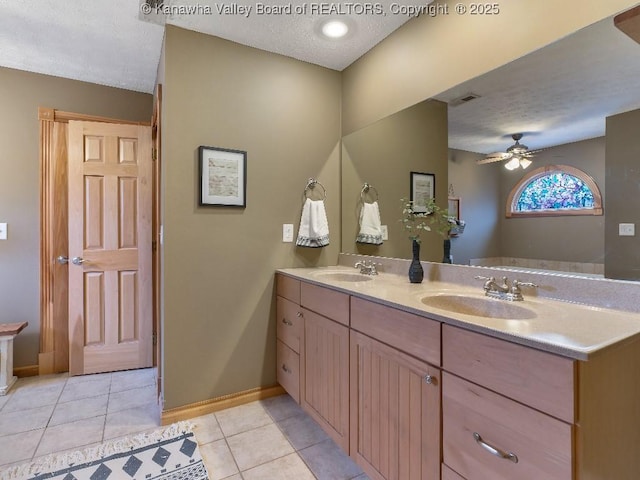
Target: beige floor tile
[(302, 431), (284, 468), (71, 435), (79, 409), (258, 446), (206, 428), (132, 420), (130, 379), (18, 447), (245, 417), (25, 420), (218, 460), (4, 399), (281, 407), (92, 387), (33, 395), (328, 462), (94, 377), (137, 397)]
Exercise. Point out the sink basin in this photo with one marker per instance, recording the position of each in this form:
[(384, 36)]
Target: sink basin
[(344, 276), (479, 306)]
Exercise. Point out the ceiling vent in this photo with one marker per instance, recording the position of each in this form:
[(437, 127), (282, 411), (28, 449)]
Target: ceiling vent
[(466, 98)]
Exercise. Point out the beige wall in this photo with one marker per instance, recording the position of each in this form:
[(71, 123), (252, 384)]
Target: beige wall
[(622, 203), (478, 187), (219, 319), (21, 93), (429, 55), (383, 154), (566, 238)]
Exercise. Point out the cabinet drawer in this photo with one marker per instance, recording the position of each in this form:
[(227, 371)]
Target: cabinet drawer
[(288, 370), (288, 287), (412, 334), (448, 474), (327, 302), (289, 323), (539, 379), (542, 444)]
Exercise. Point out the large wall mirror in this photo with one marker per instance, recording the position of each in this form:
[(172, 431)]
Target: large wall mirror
[(576, 101)]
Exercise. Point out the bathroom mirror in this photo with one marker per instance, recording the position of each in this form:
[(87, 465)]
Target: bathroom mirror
[(603, 60)]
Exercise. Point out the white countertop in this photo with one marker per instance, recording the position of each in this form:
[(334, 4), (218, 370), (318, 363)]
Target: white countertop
[(572, 330)]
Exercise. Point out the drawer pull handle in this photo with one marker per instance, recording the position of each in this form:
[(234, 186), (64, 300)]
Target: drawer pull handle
[(287, 322), (495, 451), (284, 367)]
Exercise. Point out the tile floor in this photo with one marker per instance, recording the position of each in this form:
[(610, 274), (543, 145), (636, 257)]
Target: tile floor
[(269, 439)]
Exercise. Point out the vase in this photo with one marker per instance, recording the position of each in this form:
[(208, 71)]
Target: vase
[(416, 274), (448, 258)]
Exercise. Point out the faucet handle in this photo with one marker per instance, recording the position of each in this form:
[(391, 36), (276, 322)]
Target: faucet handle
[(518, 283), (480, 277)]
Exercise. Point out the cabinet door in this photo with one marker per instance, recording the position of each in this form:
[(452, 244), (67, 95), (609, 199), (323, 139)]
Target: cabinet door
[(325, 351), (395, 412)]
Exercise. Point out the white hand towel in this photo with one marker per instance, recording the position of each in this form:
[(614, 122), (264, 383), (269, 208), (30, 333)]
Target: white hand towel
[(314, 228), (370, 227)]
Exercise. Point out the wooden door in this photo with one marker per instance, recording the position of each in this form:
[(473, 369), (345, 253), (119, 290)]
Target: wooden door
[(110, 278), (325, 359), (395, 412)]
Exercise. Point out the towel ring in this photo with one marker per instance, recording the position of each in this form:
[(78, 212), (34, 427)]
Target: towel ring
[(311, 184), (366, 188)]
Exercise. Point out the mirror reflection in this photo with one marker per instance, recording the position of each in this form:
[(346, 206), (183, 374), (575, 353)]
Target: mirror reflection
[(576, 102)]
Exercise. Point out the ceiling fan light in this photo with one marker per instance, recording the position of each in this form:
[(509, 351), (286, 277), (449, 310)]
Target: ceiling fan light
[(525, 162), (512, 164)]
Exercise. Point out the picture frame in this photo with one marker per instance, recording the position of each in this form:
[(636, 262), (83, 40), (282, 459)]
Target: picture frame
[(454, 207), (222, 177), (423, 188)]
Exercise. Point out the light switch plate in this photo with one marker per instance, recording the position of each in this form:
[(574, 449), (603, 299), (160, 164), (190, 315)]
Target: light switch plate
[(3, 231), (385, 232), (626, 229), (287, 232)]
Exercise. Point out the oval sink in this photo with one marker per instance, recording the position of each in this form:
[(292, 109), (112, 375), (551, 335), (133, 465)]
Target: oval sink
[(344, 276), (479, 306)]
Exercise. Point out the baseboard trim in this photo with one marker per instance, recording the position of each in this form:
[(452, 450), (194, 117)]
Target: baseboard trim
[(205, 407), (28, 371)]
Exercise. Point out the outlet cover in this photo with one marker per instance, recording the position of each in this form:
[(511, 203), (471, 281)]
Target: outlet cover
[(287, 232), (626, 229), (385, 232)]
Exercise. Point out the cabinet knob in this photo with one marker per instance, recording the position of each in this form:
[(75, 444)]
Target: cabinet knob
[(299, 314), (429, 380), (287, 322), (284, 367)]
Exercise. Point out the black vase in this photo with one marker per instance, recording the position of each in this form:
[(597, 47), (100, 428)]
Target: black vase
[(416, 274), (448, 258)]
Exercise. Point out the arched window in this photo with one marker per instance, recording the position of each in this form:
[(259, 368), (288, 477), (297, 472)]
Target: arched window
[(554, 190)]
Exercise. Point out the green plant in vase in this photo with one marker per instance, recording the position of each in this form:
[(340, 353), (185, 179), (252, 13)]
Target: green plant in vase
[(434, 219)]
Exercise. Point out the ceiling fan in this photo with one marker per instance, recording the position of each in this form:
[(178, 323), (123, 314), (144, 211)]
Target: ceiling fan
[(517, 155)]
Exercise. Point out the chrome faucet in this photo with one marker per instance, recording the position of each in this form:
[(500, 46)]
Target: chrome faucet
[(511, 293), (367, 268)]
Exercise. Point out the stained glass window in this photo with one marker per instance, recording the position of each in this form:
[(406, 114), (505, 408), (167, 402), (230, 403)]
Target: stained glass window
[(555, 190)]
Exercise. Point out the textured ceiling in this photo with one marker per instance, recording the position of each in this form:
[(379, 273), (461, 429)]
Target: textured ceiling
[(559, 94)]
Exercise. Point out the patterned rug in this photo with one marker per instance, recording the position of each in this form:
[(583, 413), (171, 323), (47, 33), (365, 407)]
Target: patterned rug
[(168, 454)]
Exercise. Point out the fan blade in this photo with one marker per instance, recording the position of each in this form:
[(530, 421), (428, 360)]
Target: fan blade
[(494, 157)]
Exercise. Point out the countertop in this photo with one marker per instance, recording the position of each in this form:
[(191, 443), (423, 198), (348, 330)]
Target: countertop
[(572, 330)]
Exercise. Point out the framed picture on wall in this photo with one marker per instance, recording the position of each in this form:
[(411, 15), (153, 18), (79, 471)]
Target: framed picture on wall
[(223, 177), (454, 207), (423, 188)]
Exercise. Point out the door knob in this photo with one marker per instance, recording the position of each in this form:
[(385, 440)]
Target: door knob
[(62, 260), (77, 260)]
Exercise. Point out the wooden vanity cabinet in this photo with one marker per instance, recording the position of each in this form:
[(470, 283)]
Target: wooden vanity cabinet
[(289, 331), (395, 397), (325, 360)]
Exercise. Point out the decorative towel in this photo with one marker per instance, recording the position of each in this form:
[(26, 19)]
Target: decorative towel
[(314, 228), (370, 228)]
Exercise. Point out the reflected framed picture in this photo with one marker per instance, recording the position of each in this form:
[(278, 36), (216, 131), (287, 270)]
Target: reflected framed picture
[(423, 188), (454, 207), (223, 177)]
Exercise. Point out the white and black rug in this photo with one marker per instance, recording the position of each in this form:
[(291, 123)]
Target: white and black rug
[(168, 454)]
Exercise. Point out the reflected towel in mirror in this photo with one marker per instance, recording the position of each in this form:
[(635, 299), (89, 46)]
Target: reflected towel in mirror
[(370, 225)]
